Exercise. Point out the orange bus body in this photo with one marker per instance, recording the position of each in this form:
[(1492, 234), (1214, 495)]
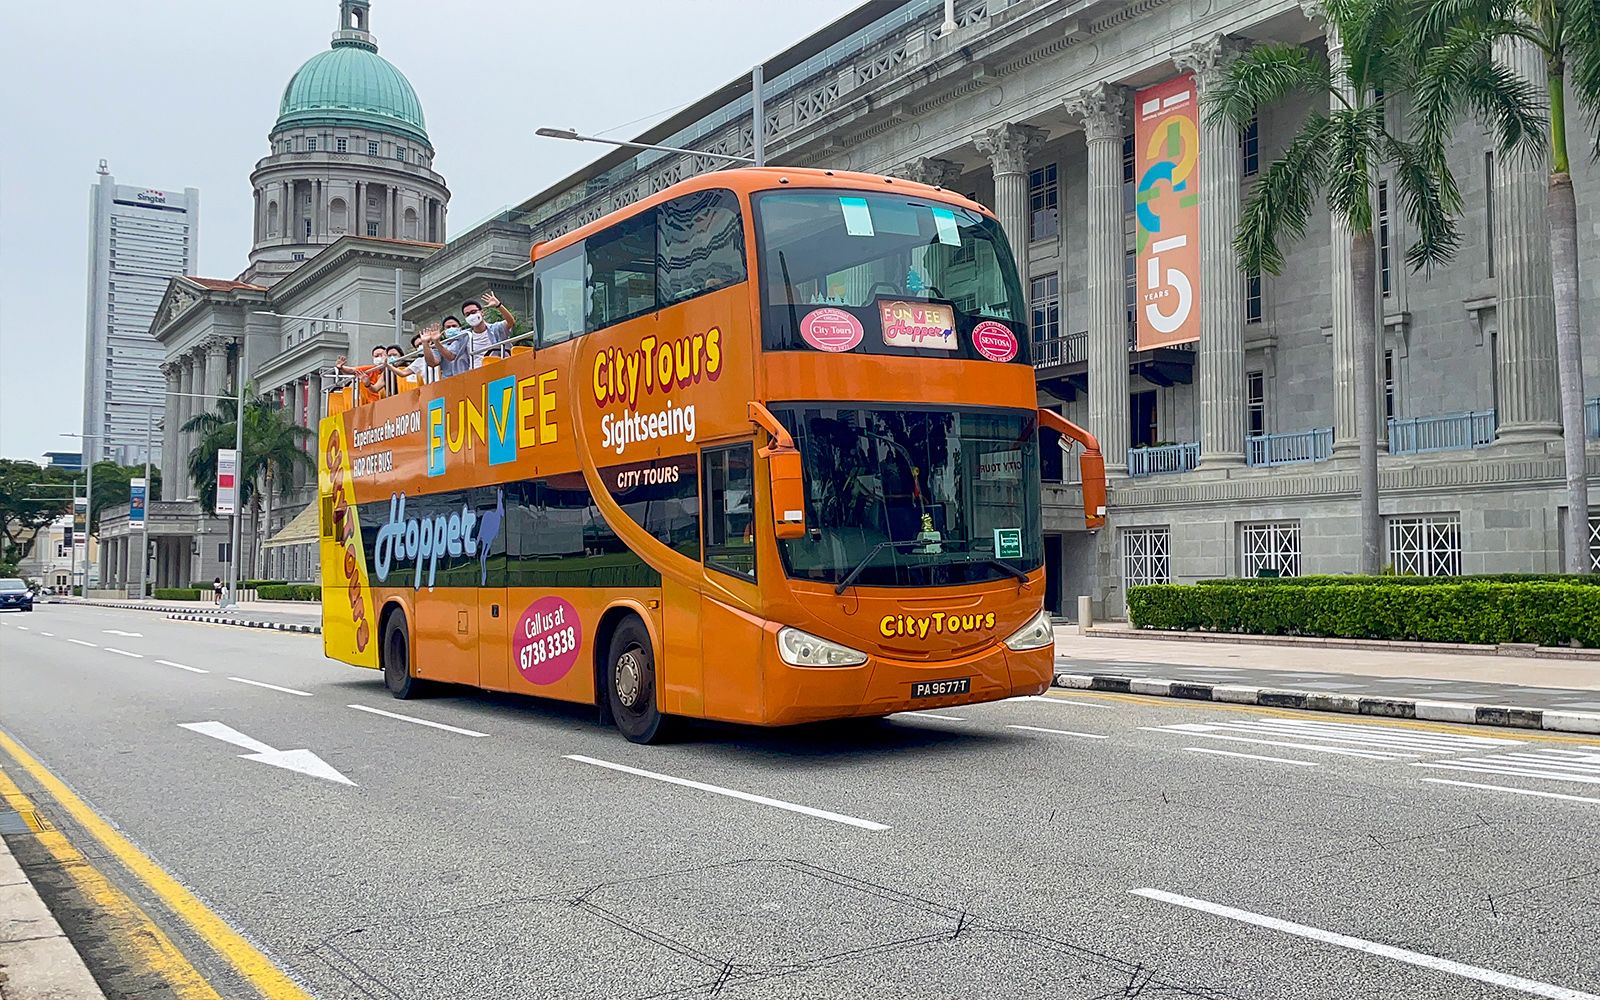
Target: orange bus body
[(550, 416)]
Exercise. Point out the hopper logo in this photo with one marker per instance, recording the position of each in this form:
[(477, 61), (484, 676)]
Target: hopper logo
[(424, 540)]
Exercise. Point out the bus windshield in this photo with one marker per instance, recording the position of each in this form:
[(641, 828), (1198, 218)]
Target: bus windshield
[(852, 250), (915, 497)]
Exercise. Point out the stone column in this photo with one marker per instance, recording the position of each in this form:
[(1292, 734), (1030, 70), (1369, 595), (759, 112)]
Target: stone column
[(171, 460), (289, 213), (216, 373), (1529, 403), (1104, 111), (188, 384), (928, 170), (1221, 360), (1009, 148)]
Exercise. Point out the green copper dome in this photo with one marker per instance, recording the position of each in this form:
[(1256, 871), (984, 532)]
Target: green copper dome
[(352, 85)]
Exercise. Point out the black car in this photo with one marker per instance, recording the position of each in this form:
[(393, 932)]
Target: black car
[(15, 594)]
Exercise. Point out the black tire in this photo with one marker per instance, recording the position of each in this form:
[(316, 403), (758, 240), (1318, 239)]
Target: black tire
[(630, 678), (395, 656)]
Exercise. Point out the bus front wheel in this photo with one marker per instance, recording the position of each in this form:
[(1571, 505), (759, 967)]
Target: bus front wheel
[(397, 658), (631, 684)]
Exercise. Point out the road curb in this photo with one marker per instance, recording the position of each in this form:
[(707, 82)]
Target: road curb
[(275, 626), (1508, 716), (36, 957), (1319, 642)]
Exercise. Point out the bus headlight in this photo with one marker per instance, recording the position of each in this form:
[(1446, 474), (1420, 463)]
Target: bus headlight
[(1038, 632), (802, 649)]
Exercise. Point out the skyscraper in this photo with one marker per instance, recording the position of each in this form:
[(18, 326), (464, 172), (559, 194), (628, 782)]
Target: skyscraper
[(138, 238)]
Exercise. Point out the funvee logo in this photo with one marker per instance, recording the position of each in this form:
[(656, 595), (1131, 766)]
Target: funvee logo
[(422, 541), (625, 377), (508, 415), (938, 623)]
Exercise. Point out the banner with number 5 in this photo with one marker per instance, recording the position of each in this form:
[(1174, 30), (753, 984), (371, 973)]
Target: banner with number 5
[(1166, 149)]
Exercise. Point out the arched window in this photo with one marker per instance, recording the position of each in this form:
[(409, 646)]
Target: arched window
[(411, 223), (272, 218), (336, 216)]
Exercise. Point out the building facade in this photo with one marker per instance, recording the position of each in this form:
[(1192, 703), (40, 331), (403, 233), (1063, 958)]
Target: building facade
[(346, 201), (139, 238), (1231, 455)]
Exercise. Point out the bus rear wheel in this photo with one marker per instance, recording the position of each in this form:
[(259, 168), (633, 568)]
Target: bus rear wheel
[(631, 685), (397, 658)]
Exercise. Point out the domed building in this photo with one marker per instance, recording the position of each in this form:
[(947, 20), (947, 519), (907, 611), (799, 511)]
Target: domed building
[(350, 156)]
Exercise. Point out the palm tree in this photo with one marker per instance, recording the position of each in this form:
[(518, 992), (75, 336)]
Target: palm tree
[(274, 447), (1459, 38), (1337, 153)]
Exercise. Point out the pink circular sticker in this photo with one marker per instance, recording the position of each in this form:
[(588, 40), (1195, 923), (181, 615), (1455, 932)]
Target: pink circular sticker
[(831, 330), (547, 640), (993, 341)]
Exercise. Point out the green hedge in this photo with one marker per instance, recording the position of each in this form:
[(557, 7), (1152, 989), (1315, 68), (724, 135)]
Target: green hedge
[(1592, 579), (258, 584), (176, 593), (289, 592), (1550, 614)]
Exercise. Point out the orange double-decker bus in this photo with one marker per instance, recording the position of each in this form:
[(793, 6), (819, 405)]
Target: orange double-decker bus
[(770, 455)]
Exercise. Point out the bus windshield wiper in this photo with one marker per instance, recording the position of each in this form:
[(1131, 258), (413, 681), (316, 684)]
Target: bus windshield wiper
[(862, 565), (1001, 565)]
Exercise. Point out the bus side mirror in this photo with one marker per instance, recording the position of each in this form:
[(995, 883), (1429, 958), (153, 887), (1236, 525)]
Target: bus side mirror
[(788, 493)]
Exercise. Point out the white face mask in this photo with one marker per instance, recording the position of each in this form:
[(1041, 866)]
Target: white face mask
[(476, 320)]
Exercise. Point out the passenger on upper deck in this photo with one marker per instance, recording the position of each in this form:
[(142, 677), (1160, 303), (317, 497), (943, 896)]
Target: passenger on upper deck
[(484, 337), (374, 376), (452, 349)]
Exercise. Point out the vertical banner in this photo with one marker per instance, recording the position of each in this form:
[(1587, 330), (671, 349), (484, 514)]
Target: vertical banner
[(136, 495), (1166, 147), (227, 479)]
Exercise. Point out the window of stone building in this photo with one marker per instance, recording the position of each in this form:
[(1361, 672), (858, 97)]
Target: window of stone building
[(1044, 297), (1130, 290), (1269, 548), (1425, 544), (1143, 426), (1594, 543), (341, 145), (372, 147), (1388, 385), (1384, 272), (372, 229), (1043, 218), (1250, 147), (400, 153), (311, 144), (1145, 556), (1256, 402), (1252, 297), (1127, 175)]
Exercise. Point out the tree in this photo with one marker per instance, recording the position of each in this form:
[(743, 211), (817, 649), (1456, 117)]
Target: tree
[(111, 488), (26, 507), (274, 447), (1338, 154), (1459, 37)]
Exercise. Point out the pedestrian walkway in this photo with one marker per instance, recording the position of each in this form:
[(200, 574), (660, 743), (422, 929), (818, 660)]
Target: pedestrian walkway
[(1534, 682), (36, 958)]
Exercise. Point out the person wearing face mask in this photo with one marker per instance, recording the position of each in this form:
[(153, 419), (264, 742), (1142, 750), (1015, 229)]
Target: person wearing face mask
[(484, 337), (372, 378), (451, 348)]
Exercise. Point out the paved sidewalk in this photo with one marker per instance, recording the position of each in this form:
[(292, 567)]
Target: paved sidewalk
[(37, 961), (286, 612), (1526, 681)]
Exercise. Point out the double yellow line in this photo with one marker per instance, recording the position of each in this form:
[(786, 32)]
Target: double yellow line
[(149, 943)]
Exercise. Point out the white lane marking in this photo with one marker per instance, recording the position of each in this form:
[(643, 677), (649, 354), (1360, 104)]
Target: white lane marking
[(1416, 958), (301, 761), (82, 643), (25, 628), (1057, 701), (118, 631), (1341, 751), (732, 793), (946, 718), (1060, 732), (270, 687), (1514, 791), (1522, 772), (180, 666), (1349, 732), (420, 722), (124, 652), (50, 634), (1253, 756)]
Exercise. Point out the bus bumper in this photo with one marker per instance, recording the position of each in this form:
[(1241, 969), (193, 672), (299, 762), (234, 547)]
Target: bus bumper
[(882, 685)]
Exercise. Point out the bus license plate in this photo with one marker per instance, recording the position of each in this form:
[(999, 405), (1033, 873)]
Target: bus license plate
[(940, 689)]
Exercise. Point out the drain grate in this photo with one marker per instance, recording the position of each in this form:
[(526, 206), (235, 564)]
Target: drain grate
[(25, 821)]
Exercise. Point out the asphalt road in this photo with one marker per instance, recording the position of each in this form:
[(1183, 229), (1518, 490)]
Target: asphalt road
[(1087, 846)]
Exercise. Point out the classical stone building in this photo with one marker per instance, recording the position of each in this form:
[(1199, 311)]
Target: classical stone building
[(347, 205), (1228, 456)]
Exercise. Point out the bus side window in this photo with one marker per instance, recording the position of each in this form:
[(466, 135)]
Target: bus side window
[(558, 296), (700, 245), (729, 499), (621, 263)]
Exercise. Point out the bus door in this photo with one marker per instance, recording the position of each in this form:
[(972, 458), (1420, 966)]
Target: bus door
[(494, 616)]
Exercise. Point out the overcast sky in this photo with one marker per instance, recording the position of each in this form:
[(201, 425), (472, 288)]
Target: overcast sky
[(181, 93)]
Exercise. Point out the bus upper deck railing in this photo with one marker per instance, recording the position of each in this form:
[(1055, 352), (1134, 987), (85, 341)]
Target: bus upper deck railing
[(352, 391)]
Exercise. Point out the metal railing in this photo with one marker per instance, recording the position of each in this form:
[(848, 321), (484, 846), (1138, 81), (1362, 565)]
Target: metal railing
[(1449, 432), (1164, 458), (1591, 417), (1064, 350), (1292, 448)]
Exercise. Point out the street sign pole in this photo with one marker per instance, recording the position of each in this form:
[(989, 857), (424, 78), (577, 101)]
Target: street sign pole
[(238, 484), (144, 525)]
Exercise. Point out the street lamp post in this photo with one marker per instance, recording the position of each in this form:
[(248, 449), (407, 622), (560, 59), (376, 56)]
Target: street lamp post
[(238, 483), (144, 523)]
